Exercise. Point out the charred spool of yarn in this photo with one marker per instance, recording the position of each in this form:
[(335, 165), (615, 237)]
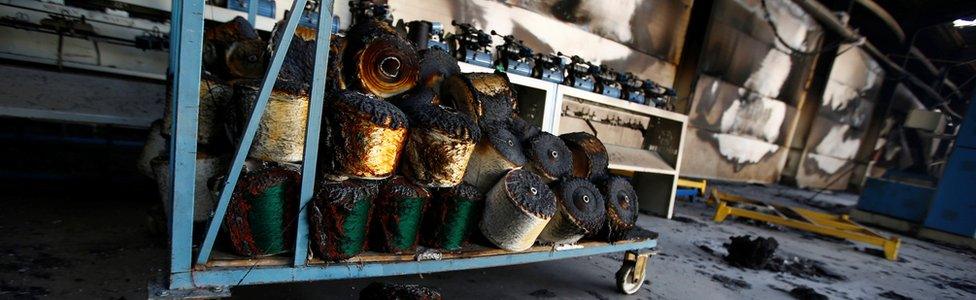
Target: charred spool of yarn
[(214, 96), (335, 82), (440, 145), (435, 66), (281, 131), (548, 157), (580, 211), (522, 129), (156, 145), (622, 204), (483, 96), (397, 214), (379, 61), (590, 158), (260, 209), (452, 214), (204, 198), (364, 136), (339, 218), (517, 209), (498, 152), (234, 50)]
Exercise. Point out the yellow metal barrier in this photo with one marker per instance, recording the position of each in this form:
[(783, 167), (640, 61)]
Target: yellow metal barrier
[(804, 219)]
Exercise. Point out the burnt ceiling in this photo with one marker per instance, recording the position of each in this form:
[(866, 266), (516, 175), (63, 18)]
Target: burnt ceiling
[(927, 25)]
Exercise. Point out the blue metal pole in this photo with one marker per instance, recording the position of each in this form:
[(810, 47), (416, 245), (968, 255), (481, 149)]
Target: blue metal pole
[(314, 123), (252, 127), (188, 24), (252, 12)]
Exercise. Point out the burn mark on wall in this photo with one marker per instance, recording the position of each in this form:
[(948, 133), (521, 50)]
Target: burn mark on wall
[(748, 86), (844, 111), (744, 127)]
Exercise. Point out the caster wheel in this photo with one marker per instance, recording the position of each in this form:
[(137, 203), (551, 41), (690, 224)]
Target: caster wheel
[(629, 278)]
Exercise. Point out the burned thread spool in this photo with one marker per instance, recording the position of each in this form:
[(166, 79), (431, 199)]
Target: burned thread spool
[(621, 200), (522, 129), (498, 152), (452, 214), (299, 62), (214, 97), (335, 82), (281, 132), (234, 50), (379, 61), (156, 144), (440, 144), (397, 213), (435, 66), (339, 217), (364, 136), (548, 157), (415, 99), (483, 96), (580, 212), (590, 158), (263, 204), (517, 209), (207, 167)]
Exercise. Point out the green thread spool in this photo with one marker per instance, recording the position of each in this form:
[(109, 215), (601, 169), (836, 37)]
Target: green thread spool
[(396, 218), (452, 215), (256, 220), (339, 218)]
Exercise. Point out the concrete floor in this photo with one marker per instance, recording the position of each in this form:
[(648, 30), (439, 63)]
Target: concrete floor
[(86, 241)]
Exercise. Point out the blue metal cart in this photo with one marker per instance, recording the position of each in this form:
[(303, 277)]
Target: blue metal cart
[(208, 275)]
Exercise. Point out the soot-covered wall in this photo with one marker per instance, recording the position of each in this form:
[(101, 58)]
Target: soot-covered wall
[(749, 84), (842, 120), (640, 36)]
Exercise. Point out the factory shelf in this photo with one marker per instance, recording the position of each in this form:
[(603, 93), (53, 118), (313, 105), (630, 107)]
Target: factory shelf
[(197, 266), (649, 153)]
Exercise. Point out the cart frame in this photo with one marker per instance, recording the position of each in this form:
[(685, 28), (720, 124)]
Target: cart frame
[(190, 276)]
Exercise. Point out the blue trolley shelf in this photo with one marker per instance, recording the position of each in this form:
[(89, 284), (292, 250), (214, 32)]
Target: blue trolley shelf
[(197, 271)]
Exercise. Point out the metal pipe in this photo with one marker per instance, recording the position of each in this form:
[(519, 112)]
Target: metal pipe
[(823, 15), (926, 89), (885, 17)]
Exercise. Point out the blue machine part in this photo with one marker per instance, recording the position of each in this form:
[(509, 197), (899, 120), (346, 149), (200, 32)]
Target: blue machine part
[(680, 192), (519, 67), (555, 76), (584, 84), (636, 98), (432, 44), (954, 206), (266, 8), (611, 91), (896, 199), (478, 58)]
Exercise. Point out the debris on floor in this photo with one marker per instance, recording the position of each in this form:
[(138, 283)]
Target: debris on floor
[(760, 253), (807, 293), (748, 252), (893, 295), (543, 293), (731, 283), (390, 291)]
